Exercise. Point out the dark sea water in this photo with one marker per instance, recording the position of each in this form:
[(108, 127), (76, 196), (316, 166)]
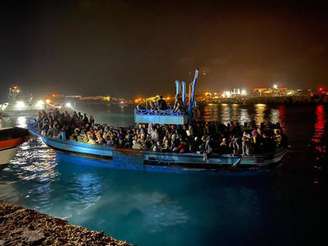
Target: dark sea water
[(288, 207)]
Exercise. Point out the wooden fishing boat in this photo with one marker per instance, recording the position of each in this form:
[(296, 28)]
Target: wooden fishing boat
[(10, 138), (148, 159)]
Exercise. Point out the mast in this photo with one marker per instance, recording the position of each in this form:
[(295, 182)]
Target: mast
[(177, 90), (192, 92), (183, 92)]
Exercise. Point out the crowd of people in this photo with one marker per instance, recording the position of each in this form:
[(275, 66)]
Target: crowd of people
[(159, 104), (197, 137)]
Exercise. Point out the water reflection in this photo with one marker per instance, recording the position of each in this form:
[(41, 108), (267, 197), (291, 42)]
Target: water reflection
[(259, 113), (235, 112), (86, 189), (226, 113), (319, 127), (282, 115), (21, 121), (244, 116), (274, 116), (319, 144), (34, 163), (211, 112)]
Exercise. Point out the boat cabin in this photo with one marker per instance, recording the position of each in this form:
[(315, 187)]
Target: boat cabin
[(155, 110)]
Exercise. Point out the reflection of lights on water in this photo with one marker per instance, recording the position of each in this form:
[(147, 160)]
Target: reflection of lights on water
[(244, 116), (282, 115), (319, 126), (235, 112), (211, 112), (34, 162), (259, 113), (21, 121), (159, 210), (88, 187), (274, 116), (226, 113)]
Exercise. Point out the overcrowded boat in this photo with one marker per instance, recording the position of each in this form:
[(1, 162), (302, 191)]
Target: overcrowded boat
[(166, 136), (186, 161)]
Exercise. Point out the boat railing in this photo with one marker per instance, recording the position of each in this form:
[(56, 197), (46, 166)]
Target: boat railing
[(168, 112)]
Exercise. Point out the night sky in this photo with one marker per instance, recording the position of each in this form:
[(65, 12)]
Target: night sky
[(128, 48)]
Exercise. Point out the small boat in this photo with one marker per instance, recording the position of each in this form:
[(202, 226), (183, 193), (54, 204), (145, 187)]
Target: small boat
[(10, 138), (138, 159)]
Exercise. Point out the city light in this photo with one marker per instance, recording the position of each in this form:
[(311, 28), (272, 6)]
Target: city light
[(48, 101), (68, 105), (226, 94), (39, 104), (20, 105), (243, 92), (138, 100), (275, 86)]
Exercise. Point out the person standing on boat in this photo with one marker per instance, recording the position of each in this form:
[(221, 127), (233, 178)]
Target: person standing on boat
[(162, 105), (246, 141), (235, 145), (206, 146)]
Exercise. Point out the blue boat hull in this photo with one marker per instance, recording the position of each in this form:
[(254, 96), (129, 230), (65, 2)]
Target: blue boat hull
[(101, 151), (142, 160)]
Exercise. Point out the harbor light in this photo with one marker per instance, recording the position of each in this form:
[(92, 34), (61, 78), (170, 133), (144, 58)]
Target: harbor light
[(39, 104), (20, 105), (226, 94), (68, 105)]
